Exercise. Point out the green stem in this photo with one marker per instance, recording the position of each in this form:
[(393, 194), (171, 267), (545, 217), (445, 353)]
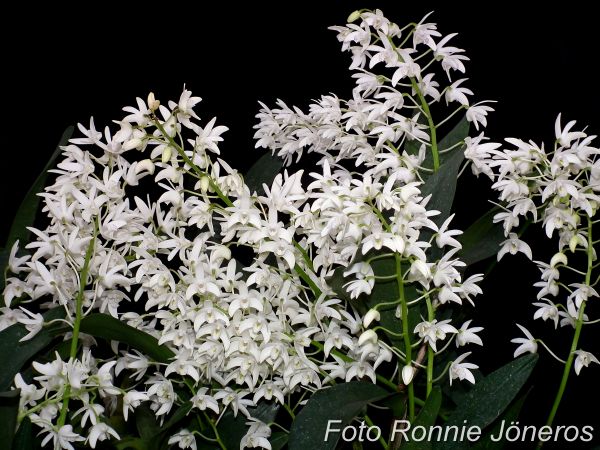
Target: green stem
[(381, 439), (406, 335), (78, 316), (430, 353), (432, 128), (190, 163), (575, 342), (215, 431)]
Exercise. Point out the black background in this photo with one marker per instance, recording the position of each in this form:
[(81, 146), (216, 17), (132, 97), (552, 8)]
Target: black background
[(536, 61)]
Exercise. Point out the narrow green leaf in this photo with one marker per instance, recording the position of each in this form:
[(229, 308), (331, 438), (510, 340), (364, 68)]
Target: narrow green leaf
[(146, 424), (107, 327), (14, 354), (278, 440), (232, 429), (177, 416), (426, 418), (263, 171), (27, 211), (491, 396), (442, 186), (454, 136), (341, 402), (9, 408), (30, 204), (23, 439), (510, 415), (482, 239)]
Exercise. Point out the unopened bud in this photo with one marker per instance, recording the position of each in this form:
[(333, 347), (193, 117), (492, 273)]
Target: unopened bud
[(166, 155), (408, 372), (353, 17), (558, 258), (132, 143), (574, 242), (204, 184), (144, 166), (222, 252), (153, 104), (371, 315), (367, 336)]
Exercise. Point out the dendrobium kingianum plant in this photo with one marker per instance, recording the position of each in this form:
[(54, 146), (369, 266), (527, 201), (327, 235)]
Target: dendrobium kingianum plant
[(172, 301)]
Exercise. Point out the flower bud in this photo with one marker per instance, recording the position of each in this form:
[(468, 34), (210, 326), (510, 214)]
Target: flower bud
[(204, 184), (371, 315), (354, 16), (132, 143), (153, 104), (574, 242), (408, 372), (166, 155), (144, 166), (558, 258), (367, 336), (221, 252)]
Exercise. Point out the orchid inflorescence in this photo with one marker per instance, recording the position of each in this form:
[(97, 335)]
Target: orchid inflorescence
[(272, 292)]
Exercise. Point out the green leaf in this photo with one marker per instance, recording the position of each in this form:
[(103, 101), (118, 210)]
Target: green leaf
[(442, 186), (25, 215), (341, 402), (29, 206), (232, 429), (454, 136), (23, 439), (426, 418), (278, 440), (510, 415), (457, 134), (482, 239), (177, 416), (107, 327), (9, 408), (491, 396), (146, 424), (14, 354), (263, 171)]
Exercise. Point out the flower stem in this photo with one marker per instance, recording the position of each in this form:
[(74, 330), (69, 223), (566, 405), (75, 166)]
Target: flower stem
[(381, 439), (432, 128), (406, 335), (215, 431), (578, 327), (430, 353), (77, 323)]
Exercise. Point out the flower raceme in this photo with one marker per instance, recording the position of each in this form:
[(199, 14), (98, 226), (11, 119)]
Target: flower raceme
[(144, 222), (557, 186)]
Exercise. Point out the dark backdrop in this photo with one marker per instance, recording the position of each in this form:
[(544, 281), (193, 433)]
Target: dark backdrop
[(536, 62)]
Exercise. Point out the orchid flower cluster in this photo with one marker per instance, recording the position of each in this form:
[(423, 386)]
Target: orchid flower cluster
[(559, 188), (268, 293)]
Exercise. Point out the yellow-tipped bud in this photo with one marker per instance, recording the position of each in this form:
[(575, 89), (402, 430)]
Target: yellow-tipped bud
[(371, 315), (204, 184), (368, 336), (153, 104), (166, 154), (559, 258), (354, 16)]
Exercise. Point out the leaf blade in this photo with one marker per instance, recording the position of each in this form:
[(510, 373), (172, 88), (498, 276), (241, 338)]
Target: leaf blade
[(341, 402), (491, 396), (263, 171), (107, 327), (14, 354), (9, 408)]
